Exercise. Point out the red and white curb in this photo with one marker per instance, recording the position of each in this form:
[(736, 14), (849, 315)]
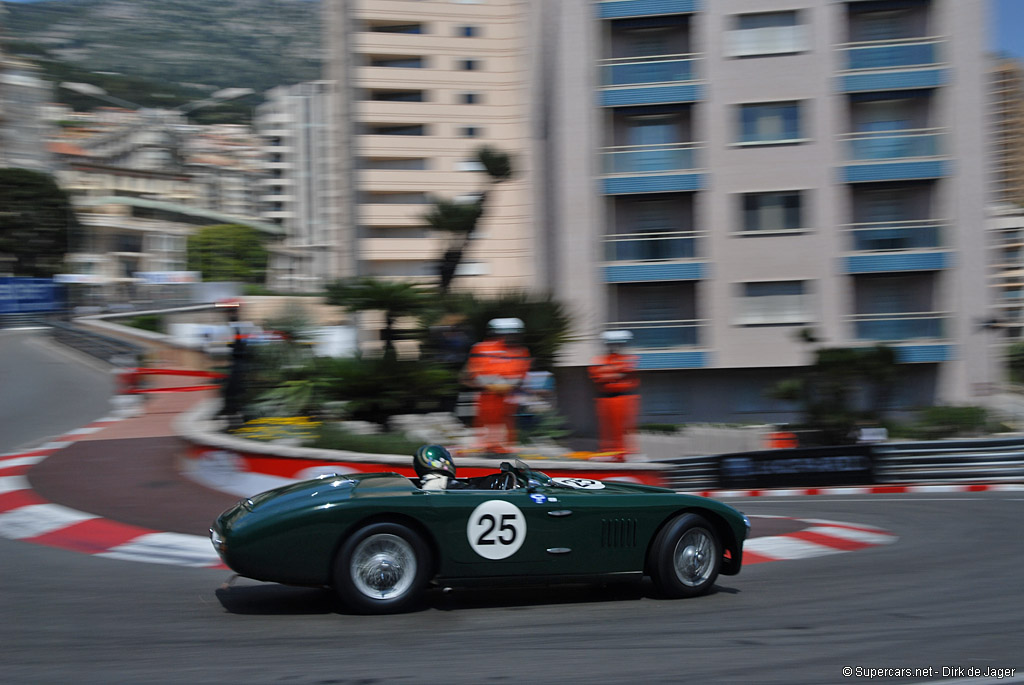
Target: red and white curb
[(26, 516), (863, 490), (820, 538)]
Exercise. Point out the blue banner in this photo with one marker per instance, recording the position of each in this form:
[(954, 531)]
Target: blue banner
[(19, 295)]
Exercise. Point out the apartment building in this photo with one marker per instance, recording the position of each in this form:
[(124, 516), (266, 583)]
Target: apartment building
[(421, 86), (737, 183), (765, 169), (23, 130), (300, 187), (1007, 76)]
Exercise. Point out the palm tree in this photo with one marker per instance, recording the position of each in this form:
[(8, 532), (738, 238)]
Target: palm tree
[(395, 299), (460, 218)]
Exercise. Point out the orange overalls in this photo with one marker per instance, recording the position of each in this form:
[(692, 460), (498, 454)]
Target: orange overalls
[(497, 370), (617, 400)]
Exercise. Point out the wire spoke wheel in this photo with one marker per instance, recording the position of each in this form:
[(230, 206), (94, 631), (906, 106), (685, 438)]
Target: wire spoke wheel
[(694, 557), (685, 557), (383, 566)]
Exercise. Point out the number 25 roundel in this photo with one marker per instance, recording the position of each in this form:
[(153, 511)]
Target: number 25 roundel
[(496, 529)]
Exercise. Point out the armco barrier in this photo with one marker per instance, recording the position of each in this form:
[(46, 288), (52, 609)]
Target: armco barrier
[(983, 460), (979, 460)]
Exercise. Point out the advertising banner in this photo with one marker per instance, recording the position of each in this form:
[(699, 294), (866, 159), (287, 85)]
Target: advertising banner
[(801, 467), (20, 295)]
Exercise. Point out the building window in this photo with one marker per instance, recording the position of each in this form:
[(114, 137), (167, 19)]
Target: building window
[(469, 132), (397, 28), (768, 212), (397, 95), (469, 64), (470, 98), (398, 130), (773, 303), (467, 31), (402, 62), (767, 33), (653, 216), (885, 25), (770, 122), (394, 164), (469, 165)]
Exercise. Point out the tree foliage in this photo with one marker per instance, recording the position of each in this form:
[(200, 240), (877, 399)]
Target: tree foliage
[(460, 218), (831, 388), (37, 224), (394, 299), (546, 321), (228, 252)]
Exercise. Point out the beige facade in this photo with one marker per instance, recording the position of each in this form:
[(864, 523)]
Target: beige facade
[(1008, 130), (422, 85)]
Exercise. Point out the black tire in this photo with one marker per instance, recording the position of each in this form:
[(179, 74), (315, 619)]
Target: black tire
[(685, 557), (381, 569)]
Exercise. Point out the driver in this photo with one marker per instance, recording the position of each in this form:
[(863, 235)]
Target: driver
[(435, 468)]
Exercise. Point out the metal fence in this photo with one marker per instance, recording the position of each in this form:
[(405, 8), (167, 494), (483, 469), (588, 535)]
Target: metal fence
[(97, 345)]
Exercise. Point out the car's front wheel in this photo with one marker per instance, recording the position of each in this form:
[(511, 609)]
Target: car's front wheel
[(685, 557), (381, 568)]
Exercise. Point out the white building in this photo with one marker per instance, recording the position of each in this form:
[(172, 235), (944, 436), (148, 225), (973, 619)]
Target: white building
[(23, 128), (299, 190)]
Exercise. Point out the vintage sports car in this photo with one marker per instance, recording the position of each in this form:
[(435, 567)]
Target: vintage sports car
[(379, 539)]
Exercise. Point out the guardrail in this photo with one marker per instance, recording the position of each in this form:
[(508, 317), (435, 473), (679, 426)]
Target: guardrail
[(100, 346), (985, 460), (967, 460)]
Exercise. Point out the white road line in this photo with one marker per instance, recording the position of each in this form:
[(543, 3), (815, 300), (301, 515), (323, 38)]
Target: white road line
[(39, 519), (54, 446), (166, 548), (19, 461), (783, 547), (86, 431), (863, 536), (13, 483)]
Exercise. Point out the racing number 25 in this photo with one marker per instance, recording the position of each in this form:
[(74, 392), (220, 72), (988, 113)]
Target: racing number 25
[(496, 529), (507, 526)]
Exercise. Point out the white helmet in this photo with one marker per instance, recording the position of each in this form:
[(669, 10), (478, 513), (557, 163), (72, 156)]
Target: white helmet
[(617, 337), (505, 326)]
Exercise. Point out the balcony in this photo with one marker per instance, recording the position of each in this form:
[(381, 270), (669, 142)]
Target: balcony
[(899, 327), (892, 65), (621, 9), (651, 257), (663, 344), (651, 169), (895, 155), (647, 247), (657, 80), (916, 337), (896, 246)]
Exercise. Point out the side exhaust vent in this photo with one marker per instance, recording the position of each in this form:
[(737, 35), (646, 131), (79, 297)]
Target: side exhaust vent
[(618, 532)]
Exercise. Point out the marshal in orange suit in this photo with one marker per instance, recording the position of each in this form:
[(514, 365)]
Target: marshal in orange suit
[(497, 367), (614, 375)]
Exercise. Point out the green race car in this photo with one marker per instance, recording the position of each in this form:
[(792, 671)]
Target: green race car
[(379, 539)]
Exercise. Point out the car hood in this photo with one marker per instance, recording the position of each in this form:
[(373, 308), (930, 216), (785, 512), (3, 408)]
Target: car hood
[(329, 488)]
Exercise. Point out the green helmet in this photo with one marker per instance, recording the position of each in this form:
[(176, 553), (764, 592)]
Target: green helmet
[(433, 459)]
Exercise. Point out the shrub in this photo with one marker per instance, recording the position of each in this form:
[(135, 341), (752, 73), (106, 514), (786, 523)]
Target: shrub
[(334, 438)]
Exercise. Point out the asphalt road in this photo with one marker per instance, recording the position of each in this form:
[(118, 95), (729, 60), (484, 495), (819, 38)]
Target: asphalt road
[(46, 389), (947, 594)]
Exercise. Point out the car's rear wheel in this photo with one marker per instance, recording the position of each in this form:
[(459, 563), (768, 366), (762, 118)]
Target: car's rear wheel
[(685, 557), (381, 568)]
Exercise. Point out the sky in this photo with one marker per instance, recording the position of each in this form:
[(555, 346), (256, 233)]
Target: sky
[(1008, 17), (1007, 25)]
